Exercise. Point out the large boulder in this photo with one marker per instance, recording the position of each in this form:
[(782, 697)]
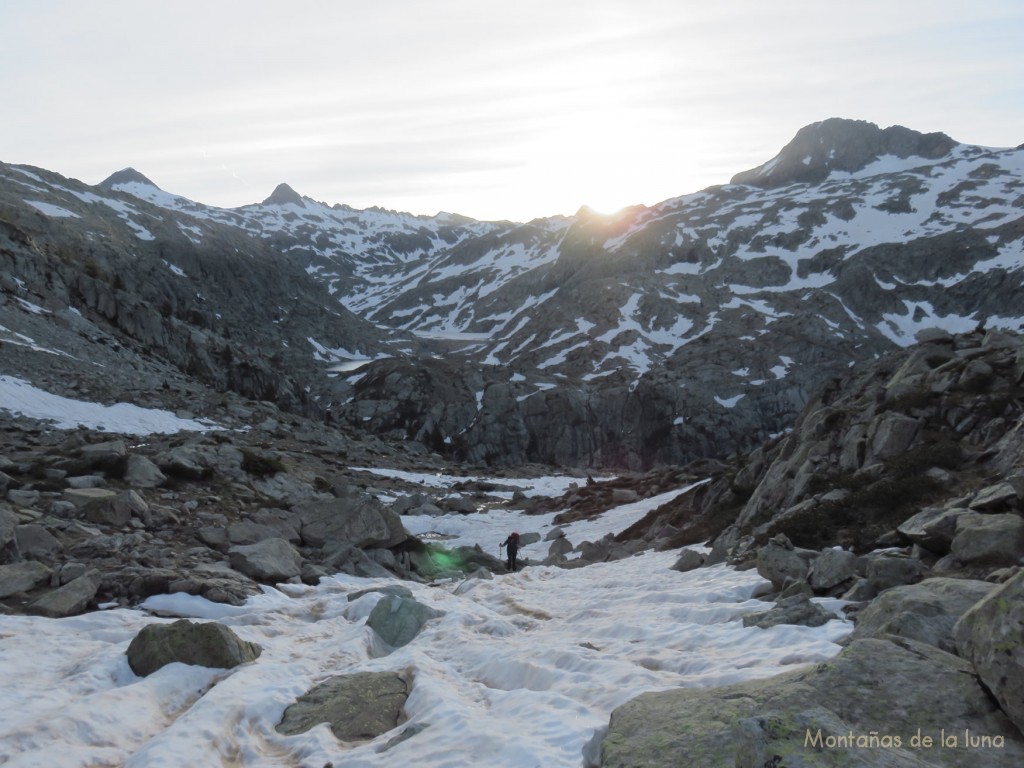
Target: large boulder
[(991, 636), (989, 540), (116, 511), (871, 706), (140, 472), (357, 707), (206, 644), (892, 570), (831, 568), (780, 564), (71, 599), (270, 560), (397, 620), (361, 522), (925, 612), (21, 577), (35, 542), (933, 528)]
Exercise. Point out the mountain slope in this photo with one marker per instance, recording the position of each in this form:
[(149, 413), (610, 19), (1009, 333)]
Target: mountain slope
[(694, 327)]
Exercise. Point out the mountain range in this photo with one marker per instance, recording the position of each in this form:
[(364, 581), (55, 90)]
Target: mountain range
[(696, 327)]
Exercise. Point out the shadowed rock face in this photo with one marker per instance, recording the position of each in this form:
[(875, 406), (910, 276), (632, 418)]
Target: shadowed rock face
[(842, 145)]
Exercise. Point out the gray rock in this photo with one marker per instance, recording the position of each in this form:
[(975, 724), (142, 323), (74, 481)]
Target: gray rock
[(555, 533), (21, 577), (992, 540), (891, 434), (140, 472), (86, 481), (117, 511), (991, 636), (624, 496), (895, 689), (358, 522), (345, 558), (248, 532), (995, 497), (797, 609), (460, 504), (831, 568), (559, 548), (270, 560), (357, 707), (397, 620), (103, 455), (36, 543), (780, 565), (933, 528), (889, 570), (925, 612), (688, 560), (83, 497), (71, 599), (9, 522), (202, 644), (528, 538), (22, 498)]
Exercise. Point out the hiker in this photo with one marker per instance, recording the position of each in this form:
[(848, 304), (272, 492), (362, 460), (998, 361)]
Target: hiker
[(512, 544)]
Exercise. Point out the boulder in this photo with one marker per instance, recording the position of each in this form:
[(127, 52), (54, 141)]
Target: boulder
[(361, 522), (103, 456), (36, 543), (831, 568), (559, 548), (797, 609), (84, 497), (925, 612), (117, 511), (891, 434), (21, 577), (822, 715), (995, 497), (780, 564), (688, 560), (269, 561), (397, 620), (891, 570), (8, 538), (624, 496), (991, 636), (140, 472), (71, 599), (530, 537), (990, 540), (206, 644), (248, 532), (932, 528), (357, 707)]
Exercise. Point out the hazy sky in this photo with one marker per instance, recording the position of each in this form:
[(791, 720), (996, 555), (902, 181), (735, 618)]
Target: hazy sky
[(494, 110)]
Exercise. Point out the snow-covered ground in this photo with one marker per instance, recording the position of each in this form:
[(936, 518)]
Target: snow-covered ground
[(20, 397), (521, 670)]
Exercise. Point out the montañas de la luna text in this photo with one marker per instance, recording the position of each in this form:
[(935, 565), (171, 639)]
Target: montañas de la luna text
[(877, 740)]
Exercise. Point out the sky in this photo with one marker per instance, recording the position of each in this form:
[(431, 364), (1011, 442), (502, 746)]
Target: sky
[(491, 110)]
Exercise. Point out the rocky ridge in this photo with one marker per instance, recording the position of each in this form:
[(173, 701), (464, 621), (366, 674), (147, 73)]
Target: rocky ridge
[(900, 489), (695, 327)]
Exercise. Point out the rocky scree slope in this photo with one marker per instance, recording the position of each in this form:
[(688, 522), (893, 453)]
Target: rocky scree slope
[(901, 490), (104, 295)]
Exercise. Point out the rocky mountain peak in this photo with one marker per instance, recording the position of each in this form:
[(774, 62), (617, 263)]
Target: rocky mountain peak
[(284, 195), (838, 144), (125, 176)]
